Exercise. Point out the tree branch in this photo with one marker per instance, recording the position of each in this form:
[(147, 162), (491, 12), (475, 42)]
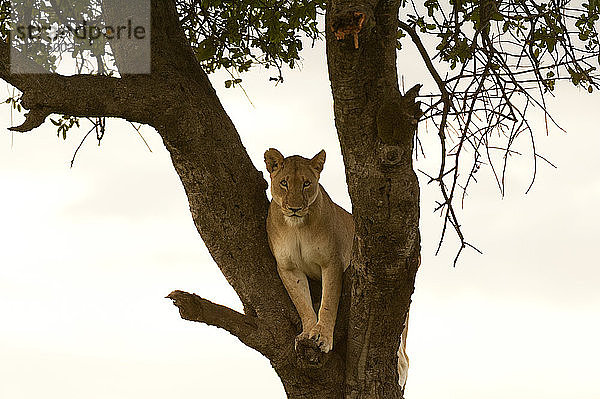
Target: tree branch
[(178, 100), (447, 104), (80, 95), (225, 191), (426, 58), (34, 118), (194, 308), (132, 97)]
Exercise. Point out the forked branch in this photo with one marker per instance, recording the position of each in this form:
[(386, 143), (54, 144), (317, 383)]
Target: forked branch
[(446, 99)]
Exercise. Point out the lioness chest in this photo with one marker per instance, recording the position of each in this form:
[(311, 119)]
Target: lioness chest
[(298, 247)]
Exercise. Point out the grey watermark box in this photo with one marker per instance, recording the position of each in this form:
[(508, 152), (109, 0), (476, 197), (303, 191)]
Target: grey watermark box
[(107, 37)]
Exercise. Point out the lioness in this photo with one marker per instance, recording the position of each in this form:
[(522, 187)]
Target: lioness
[(311, 237)]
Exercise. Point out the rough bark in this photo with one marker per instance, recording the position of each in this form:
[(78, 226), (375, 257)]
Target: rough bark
[(227, 200), (384, 192)]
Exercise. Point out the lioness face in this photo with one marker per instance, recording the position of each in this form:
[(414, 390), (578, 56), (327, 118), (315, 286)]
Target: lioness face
[(294, 182)]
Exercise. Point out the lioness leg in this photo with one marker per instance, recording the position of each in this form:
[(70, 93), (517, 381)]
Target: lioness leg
[(331, 282), (296, 284)]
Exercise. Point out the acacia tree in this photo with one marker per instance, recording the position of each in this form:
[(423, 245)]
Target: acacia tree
[(491, 61)]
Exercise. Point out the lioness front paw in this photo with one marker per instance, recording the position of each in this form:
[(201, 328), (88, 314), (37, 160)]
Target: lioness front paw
[(300, 337), (322, 336)]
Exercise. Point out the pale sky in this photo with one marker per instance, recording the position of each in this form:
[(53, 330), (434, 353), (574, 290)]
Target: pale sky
[(88, 254)]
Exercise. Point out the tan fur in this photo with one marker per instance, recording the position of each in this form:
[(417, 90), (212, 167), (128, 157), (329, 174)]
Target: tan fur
[(311, 237), (402, 357)]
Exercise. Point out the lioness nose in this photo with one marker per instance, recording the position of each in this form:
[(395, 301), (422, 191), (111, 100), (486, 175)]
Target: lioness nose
[(295, 209)]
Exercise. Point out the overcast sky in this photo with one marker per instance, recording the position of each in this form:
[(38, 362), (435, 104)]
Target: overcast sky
[(87, 255)]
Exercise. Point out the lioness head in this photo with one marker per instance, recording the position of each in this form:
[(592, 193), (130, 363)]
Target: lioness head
[(294, 181)]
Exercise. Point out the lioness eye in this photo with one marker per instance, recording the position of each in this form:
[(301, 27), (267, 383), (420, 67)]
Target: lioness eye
[(306, 183), (283, 183)]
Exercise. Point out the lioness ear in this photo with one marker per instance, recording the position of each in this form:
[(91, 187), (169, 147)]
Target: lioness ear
[(273, 160), (318, 161)]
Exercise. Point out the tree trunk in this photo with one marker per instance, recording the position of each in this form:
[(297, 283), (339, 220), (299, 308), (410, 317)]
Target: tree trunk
[(383, 188), (228, 203)]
